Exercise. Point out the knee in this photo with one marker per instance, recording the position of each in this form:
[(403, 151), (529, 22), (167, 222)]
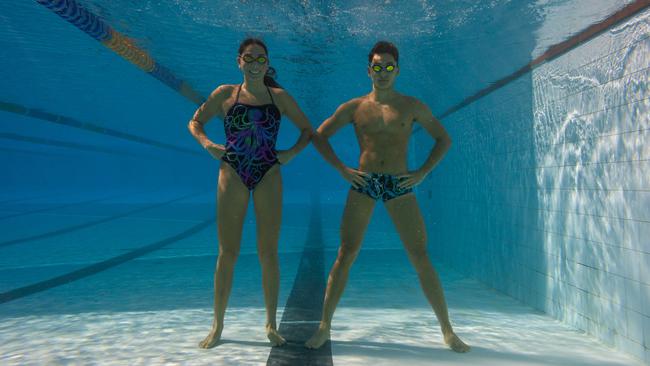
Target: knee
[(347, 255), (268, 256), (228, 255), (418, 253)]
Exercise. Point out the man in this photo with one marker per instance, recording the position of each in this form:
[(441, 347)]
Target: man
[(383, 122)]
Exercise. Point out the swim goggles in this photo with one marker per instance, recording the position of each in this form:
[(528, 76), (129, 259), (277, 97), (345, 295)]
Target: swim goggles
[(248, 59), (377, 68)]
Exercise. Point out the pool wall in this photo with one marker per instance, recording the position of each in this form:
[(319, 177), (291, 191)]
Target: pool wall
[(545, 193)]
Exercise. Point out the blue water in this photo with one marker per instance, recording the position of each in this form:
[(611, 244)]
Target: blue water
[(538, 213)]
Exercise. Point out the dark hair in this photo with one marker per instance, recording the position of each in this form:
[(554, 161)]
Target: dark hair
[(384, 47), (269, 77)]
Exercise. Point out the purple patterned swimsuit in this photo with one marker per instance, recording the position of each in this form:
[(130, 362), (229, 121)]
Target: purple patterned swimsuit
[(251, 133)]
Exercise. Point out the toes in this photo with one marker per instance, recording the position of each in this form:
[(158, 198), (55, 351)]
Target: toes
[(312, 344), (278, 343), (459, 346), (208, 343), (276, 339)]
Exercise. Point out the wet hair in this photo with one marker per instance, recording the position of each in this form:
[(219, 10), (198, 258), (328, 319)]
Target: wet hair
[(269, 77), (384, 47)]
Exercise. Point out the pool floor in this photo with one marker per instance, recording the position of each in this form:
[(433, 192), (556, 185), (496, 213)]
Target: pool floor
[(155, 306)]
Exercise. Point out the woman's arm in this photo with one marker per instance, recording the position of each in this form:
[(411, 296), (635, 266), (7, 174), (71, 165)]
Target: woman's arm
[(290, 108), (207, 110)]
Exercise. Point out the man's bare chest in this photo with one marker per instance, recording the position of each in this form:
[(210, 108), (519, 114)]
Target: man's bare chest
[(377, 118)]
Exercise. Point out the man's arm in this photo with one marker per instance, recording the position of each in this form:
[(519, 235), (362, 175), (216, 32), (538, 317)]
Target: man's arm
[(423, 116), (344, 114), (432, 125)]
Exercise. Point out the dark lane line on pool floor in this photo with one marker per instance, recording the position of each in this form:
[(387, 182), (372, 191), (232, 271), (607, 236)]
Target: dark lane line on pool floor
[(81, 203), (100, 266), (302, 312), (22, 199), (93, 223)]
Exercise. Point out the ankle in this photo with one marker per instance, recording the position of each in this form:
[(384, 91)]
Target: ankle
[(447, 330), (324, 326)]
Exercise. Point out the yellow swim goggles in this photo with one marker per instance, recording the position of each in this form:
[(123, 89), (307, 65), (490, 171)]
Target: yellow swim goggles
[(249, 58), (377, 68)]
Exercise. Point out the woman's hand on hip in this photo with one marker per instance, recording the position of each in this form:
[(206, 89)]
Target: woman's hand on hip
[(217, 151), (285, 156)]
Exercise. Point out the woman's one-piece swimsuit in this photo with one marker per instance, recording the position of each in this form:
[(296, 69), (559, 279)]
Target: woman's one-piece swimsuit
[(251, 133)]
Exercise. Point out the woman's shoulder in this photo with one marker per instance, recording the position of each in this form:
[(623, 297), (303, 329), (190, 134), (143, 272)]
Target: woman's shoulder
[(225, 89), (222, 92), (278, 91), (280, 96)]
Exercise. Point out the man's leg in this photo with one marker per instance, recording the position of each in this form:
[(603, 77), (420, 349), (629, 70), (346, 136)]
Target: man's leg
[(407, 218), (356, 217)]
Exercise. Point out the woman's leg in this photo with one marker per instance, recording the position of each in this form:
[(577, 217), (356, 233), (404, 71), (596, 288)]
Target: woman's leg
[(268, 215), (232, 200)]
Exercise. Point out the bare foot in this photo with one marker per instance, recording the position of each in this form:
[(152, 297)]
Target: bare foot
[(212, 339), (455, 343), (319, 338), (275, 337)]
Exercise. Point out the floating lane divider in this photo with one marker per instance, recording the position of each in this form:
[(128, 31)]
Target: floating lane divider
[(94, 26), (556, 51), (551, 53)]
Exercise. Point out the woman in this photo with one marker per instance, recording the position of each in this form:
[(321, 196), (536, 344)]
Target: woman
[(251, 113)]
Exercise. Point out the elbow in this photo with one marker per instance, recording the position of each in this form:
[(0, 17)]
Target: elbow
[(444, 141), (320, 141), (305, 137), (193, 124), (308, 134), (448, 142), (317, 137)]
